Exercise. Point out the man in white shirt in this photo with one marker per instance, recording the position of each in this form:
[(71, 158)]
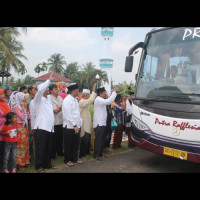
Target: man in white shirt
[(58, 123), (32, 90), (71, 126), (100, 118), (84, 106), (43, 127)]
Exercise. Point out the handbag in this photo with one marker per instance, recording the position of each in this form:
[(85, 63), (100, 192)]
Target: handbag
[(128, 118), (114, 125)]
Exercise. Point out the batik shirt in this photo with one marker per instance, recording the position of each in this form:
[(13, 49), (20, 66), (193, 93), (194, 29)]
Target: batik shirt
[(119, 113)]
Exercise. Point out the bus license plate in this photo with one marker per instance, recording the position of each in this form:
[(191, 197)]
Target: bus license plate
[(175, 153)]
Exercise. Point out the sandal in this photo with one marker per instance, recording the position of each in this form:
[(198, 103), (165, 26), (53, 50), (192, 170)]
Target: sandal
[(21, 168), (69, 164), (14, 170), (79, 162), (41, 170), (53, 167)]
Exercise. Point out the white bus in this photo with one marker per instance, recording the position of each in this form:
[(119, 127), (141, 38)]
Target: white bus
[(166, 106)]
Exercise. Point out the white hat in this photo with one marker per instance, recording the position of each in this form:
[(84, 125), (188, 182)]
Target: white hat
[(86, 91)]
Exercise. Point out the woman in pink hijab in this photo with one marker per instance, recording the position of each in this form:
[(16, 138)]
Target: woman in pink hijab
[(19, 107)]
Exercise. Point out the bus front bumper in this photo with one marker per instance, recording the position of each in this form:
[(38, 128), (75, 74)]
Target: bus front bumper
[(159, 145)]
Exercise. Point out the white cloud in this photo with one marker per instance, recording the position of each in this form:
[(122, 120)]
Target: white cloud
[(40, 43), (121, 44), (80, 45), (62, 37)]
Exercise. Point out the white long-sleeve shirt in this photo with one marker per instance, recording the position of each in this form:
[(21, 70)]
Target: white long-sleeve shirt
[(32, 114), (44, 116), (71, 112), (100, 112)]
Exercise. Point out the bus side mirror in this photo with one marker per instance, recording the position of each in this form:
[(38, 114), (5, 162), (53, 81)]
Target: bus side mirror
[(129, 64)]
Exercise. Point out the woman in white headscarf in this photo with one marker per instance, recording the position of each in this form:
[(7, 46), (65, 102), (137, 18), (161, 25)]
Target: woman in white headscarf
[(18, 106)]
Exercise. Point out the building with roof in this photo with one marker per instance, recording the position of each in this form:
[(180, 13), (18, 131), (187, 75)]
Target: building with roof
[(57, 78)]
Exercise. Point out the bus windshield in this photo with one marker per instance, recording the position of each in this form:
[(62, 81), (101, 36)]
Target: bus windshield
[(170, 67)]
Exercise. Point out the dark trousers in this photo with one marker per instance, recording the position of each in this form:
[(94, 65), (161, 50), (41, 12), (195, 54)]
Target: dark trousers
[(43, 148), (85, 145), (118, 136), (2, 144), (71, 145), (108, 137), (57, 141), (130, 141), (100, 132)]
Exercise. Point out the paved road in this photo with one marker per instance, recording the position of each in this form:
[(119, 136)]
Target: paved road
[(136, 160)]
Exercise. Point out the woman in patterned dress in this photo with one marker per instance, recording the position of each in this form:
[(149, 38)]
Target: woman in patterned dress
[(119, 114), (18, 105)]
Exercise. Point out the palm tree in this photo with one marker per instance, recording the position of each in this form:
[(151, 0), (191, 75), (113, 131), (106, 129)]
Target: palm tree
[(15, 48), (22, 70), (43, 66), (89, 66), (10, 48), (103, 76), (71, 70), (6, 35), (87, 77), (56, 62), (37, 69)]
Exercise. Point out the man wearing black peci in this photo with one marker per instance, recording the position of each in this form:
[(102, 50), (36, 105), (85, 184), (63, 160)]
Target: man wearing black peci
[(71, 126)]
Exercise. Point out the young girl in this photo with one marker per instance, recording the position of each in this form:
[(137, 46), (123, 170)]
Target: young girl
[(9, 132)]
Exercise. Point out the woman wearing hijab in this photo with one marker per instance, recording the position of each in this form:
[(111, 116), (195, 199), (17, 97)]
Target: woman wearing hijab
[(4, 107), (18, 105), (4, 110)]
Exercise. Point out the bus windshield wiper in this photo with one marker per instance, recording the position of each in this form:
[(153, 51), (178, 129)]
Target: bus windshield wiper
[(150, 99), (191, 94), (174, 97)]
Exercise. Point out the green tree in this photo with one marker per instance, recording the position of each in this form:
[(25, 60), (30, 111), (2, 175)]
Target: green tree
[(89, 66), (56, 62), (10, 49), (22, 70), (6, 35), (71, 70), (17, 84), (125, 88), (88, 74), (28, 80), (43, 67), (37, 69)]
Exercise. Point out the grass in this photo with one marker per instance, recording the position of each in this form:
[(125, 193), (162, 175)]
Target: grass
[(59, 161)]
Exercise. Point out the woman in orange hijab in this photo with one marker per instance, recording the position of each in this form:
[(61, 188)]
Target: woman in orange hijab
[(5, 108)]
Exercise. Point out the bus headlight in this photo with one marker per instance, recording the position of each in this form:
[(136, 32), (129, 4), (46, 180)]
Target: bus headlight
[(139, 124)]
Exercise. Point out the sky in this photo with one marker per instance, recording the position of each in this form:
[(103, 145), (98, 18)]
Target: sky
[(82, 45)]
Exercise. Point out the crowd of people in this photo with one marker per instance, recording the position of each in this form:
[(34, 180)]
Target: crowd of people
[(39, 123)]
